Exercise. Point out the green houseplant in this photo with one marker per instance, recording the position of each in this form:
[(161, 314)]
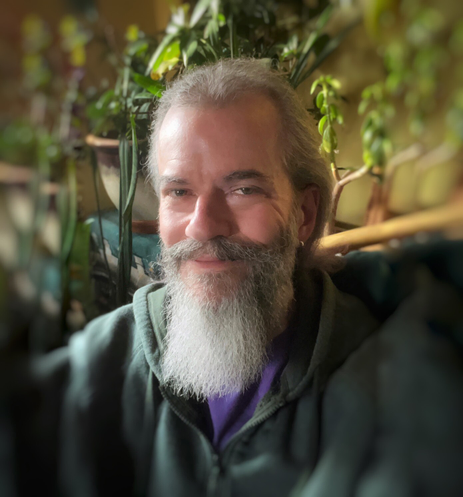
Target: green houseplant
[(288, 37)]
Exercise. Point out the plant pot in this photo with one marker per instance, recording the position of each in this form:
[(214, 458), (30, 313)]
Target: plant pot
[(146, 204)]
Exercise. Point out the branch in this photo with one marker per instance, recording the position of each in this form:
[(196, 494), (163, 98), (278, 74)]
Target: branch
[(407, 155), (435, 157), (352, 176), (432, 220)]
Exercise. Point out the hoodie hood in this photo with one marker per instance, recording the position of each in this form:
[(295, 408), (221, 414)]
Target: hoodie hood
[(329, 326)]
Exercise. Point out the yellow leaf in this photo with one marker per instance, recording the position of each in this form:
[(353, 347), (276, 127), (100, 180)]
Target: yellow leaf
[(78, 56), (68, 26), (132, 33)]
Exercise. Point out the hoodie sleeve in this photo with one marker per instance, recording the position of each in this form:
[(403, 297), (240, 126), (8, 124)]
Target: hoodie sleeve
[(47, 405)]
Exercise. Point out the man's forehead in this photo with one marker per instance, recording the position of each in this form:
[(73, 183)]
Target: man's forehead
[(255, 108), (236, 139)]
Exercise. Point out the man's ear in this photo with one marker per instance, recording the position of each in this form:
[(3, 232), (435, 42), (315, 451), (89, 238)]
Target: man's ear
[(308, 201)]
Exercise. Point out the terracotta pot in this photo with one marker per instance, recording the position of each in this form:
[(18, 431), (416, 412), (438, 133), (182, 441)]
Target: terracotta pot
[(145, 205)]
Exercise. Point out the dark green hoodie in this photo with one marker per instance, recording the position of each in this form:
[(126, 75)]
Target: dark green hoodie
[(95, 418)]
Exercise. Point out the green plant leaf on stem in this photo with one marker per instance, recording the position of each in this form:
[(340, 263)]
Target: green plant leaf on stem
[(69, 228), (207, 46), (81, 287), (302, 60), (321, 124), (95, 176), (125, 256), (198, 11), (324, 17), (155, 60), (125, 82), (189, 51), (330, 140), (233, 41), (137, 47), (154, 87), (133, 178), (212, 30), (320, 100), (314, 85), (330, 47), (363, 106)]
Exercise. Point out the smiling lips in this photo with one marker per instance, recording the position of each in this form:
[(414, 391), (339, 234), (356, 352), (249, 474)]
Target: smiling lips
[(210, 262)]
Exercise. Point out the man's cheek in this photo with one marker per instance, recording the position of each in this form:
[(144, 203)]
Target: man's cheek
[(171, 229)]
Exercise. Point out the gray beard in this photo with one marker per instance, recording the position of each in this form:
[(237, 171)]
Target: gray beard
[(214, 347)]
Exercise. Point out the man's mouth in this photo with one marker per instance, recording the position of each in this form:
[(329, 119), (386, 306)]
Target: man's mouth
[(209, 262)]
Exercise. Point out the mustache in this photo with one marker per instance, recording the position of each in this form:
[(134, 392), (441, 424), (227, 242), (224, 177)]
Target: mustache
[(220, 247)]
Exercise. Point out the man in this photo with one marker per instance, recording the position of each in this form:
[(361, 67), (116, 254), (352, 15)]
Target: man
[(246, 372)]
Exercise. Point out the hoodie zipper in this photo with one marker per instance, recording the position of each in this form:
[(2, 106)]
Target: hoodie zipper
[(216, 459), (216, 471), (252, 423)]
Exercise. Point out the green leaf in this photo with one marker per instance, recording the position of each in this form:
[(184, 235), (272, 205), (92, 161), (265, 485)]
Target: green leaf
[(125, 225), (368, 158), (137, 47), (154, 87), (324, 17), (133, 179), (198, 11), (144, 95), (155, 59), (321, 124), (302, 60), (320, 100), (326, 142), (212, 29), (330, 47), (314, 86), (189, 51), (363, 106), (208, 47), (335, 83), (330, 140), (367, 137), (233, 39), (333, 110), (69, 227)]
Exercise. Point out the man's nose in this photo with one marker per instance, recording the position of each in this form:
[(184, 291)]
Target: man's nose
[(212, 217)]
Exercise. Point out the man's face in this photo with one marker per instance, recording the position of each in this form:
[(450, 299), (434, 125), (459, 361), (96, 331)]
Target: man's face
[(221, 176), (230, 231)]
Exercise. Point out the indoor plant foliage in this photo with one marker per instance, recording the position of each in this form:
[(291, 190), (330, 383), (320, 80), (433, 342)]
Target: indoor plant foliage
[(422, 53), (124, 113), (52, 242), (421, 50), (289, 39)]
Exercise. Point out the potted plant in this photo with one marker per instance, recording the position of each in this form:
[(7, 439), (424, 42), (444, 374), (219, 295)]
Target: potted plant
[(289, 37), (116, 115)]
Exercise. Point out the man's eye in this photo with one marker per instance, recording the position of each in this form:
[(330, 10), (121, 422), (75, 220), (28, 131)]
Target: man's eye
[(178, 193), (245, 190)]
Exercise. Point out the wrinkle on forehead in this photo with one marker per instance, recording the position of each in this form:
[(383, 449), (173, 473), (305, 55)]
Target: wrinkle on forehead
[(255, 114)]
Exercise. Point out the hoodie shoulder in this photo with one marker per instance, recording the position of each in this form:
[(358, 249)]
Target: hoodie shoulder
[(114, 339)]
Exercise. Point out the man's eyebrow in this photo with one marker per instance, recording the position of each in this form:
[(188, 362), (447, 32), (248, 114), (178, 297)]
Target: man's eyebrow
[(166, 180), (246, 174)]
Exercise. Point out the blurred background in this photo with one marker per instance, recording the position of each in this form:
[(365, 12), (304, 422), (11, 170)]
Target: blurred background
[(383, 80)]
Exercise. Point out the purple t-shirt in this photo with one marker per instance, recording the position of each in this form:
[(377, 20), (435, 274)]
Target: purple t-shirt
[(230, 412)]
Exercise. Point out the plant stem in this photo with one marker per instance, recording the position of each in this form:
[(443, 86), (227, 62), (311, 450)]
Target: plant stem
[(435, 157), (337, 190)]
